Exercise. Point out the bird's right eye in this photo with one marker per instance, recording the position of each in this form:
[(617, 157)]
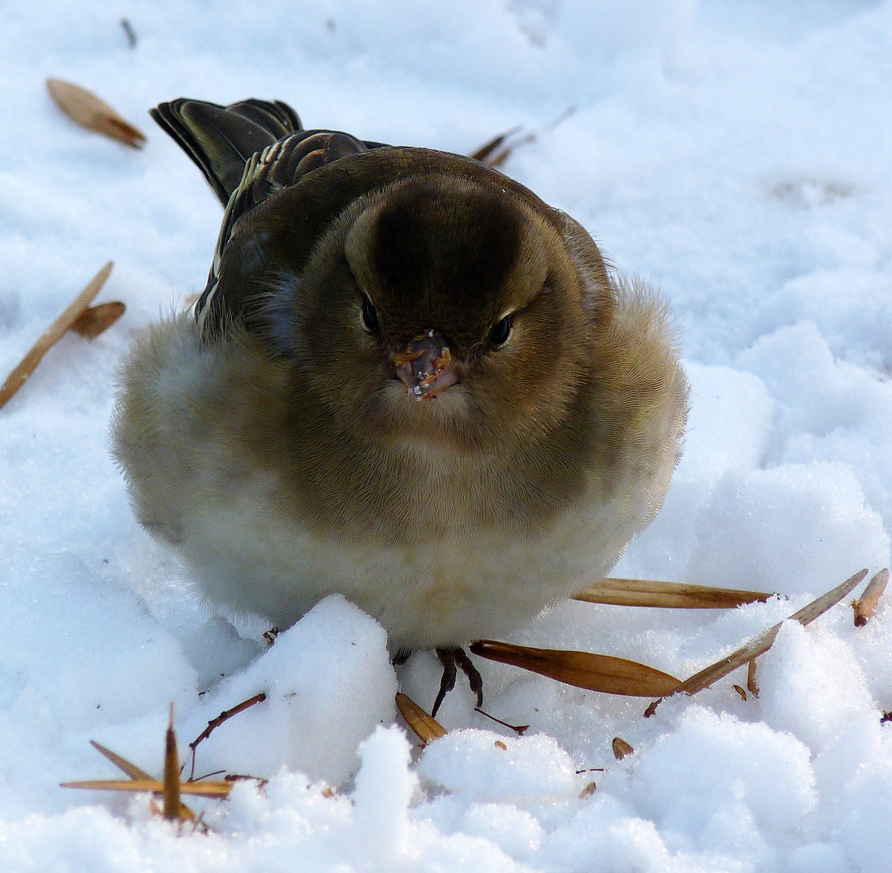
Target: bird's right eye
[(369, 315)]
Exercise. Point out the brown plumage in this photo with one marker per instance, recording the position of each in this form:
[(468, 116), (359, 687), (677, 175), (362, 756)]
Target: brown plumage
[(409, 381)]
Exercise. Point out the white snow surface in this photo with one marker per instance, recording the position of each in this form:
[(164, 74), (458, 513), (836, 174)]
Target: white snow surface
[(738, 155)]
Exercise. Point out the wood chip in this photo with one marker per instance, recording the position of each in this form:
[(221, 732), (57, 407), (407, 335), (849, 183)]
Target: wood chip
[(760, 644), (621, 748), (426, 727), (866, 605), (751, 684), (96, 319), (581, 669), (53, 334), (89, 111), (667, 595)]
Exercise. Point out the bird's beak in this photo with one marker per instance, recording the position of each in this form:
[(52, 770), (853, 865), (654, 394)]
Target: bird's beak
[(426, 366)]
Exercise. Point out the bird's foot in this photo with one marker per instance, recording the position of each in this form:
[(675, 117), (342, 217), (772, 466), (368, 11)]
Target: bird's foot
[(454, 659), (401, 657)]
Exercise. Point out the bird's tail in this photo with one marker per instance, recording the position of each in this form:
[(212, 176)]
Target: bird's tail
[(222, 139)]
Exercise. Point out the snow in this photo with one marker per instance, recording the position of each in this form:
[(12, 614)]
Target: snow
[(734, 154)]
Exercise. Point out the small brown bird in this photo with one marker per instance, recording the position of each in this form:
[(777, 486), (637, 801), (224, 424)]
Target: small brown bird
[(409, 381)]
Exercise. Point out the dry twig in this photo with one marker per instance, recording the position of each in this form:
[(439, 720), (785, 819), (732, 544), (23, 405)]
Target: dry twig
[(214, 723)]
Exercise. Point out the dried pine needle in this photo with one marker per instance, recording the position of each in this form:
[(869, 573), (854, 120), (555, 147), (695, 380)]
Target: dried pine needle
[(171, 773), (667, 595), (760, 644)]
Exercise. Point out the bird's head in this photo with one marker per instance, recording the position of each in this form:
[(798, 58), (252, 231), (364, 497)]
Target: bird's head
[(444, 309)]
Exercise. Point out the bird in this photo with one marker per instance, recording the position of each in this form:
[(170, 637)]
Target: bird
[(408, 381)]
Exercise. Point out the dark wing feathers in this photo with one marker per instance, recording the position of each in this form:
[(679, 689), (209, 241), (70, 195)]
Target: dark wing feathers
[(221, 139)]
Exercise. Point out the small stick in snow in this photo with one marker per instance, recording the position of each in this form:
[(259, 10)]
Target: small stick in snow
[(519, 729), (130, 32), (866, 604), (53, 334), (214, 723)]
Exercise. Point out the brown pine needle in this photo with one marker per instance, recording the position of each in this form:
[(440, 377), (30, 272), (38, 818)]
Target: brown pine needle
[(426, 727), (86, 109), (135, 774), (760, 644), (200, 789), (866, 605), (171, 773), (667, 595), (581, 669), (96, 319), (53, 334), (121, 763)]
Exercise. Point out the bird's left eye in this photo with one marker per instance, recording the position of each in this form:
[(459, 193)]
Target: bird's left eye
[(369, 315), (500, 331)]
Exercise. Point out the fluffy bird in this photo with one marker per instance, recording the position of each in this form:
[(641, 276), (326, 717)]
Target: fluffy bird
[(408, 380)]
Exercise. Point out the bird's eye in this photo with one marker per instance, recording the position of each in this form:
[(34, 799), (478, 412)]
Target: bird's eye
[(369, 315), (500, 331)]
